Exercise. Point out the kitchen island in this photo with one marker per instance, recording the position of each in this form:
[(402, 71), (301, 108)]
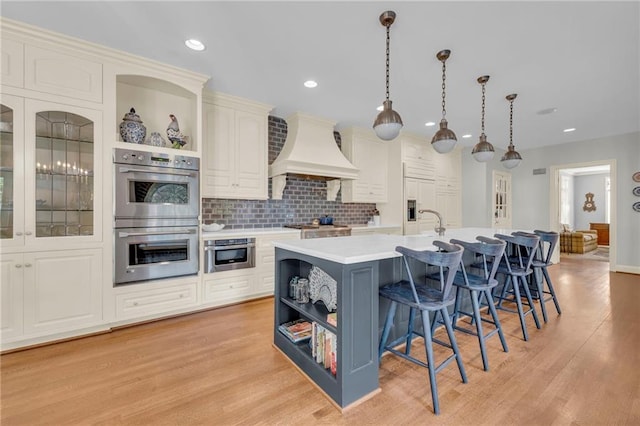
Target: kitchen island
[(359, 265)]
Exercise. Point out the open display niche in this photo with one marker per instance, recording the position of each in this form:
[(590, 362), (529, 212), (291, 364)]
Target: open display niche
[(154, 99)]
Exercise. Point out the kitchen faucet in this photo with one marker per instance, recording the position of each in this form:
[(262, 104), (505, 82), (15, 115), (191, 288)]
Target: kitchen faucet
[(439, 229)]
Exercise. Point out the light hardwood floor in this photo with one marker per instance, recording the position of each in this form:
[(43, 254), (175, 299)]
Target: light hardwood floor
[(218, 368)]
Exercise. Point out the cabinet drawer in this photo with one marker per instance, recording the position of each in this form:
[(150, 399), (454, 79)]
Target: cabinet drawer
[(12, 61), (229, 288), (61, 74), (155, 301), (267, 241)]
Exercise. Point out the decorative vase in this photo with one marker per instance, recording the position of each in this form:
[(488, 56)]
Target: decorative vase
[(131, 129)]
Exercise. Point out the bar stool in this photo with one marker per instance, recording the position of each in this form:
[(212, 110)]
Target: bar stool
[(417, 293), (516, 266), (487, 253), (548, 242)]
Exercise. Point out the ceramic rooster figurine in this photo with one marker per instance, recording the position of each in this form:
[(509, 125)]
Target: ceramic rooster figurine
[(176, 137)]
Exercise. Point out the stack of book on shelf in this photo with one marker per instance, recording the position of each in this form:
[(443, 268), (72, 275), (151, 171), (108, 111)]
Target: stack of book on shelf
[(324, 347), (297, 331)]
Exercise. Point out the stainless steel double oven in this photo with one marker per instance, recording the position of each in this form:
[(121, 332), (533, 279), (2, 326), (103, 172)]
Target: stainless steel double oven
[(157, 203)]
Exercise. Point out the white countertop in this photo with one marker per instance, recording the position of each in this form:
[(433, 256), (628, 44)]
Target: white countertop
[(364, 248)]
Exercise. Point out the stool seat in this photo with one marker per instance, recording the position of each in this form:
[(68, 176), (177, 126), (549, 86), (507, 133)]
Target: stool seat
[(429, 298), (423, 292)]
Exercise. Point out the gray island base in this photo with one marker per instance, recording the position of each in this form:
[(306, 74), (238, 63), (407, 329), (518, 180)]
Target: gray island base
[(359, 265)]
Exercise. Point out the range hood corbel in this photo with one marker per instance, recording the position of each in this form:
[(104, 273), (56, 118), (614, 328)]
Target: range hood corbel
[(310, 150)]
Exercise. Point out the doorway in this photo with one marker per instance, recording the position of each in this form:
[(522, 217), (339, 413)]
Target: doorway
[(580, 215), (501, 199)]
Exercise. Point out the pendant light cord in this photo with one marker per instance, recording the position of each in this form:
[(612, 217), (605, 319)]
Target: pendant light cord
[(483, 84), (511, 123), (387, 63), (444, 68)]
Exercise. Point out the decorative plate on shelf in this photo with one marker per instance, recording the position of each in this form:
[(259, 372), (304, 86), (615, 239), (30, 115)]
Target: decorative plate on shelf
[(324, 288), (636, 191), (636, 177), (636, 206)]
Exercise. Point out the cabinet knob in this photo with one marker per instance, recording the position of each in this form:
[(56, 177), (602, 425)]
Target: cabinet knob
[(18, 265), (28, 233), (18, 234), (135, 303), (27, 265)]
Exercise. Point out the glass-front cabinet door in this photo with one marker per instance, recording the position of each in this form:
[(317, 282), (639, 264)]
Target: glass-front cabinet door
[(64, 170), (61, 164), (11, 171)]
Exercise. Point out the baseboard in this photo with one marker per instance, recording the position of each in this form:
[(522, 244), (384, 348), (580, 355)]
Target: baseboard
[(627, 269)]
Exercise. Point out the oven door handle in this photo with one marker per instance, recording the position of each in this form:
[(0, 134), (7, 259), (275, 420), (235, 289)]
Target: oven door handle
[(160, 172), (145, 234), (239, 246)]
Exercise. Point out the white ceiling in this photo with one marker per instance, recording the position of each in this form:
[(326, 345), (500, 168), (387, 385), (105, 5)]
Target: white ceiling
[(582, 58)]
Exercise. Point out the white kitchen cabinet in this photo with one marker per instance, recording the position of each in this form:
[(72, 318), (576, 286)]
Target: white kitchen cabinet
[(226, 287), (424, 193), (448, 188), (418, 157), (63, 74), (376, 230), (11, 296), (12, 62), (52, 175), (235, 153), (370, 155), (50, 292), (265, 261), (140, 302)]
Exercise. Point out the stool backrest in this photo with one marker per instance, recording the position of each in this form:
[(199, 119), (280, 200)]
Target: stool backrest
[(548, 239), (446, 260), (524, 247), (491, 251)]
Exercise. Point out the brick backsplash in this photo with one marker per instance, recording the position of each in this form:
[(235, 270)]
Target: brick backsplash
[(302, 200)]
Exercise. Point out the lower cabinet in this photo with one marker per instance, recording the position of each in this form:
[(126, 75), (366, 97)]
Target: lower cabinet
[(50, 292), (388, 230), (138, 303), (221, 288)]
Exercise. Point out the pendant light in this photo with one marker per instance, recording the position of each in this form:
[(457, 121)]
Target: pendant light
[(483, 151), (388, 123), (444, 140), (511, 158)]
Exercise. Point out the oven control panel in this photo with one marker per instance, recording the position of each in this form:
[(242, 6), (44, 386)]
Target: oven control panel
[(156, 159)]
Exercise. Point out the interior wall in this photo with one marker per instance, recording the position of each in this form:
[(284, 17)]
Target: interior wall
[(531, 204), (594, 184)]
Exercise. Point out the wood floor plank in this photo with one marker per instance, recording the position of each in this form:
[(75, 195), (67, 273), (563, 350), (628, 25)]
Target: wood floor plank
[(219, 367)]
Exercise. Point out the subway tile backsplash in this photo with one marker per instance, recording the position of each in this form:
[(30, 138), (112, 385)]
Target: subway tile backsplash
[(302, 201)]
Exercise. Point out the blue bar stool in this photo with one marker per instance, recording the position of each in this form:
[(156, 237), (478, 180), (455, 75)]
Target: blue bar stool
[(480, 281), (418, 293), (548, 242), (516, 267)]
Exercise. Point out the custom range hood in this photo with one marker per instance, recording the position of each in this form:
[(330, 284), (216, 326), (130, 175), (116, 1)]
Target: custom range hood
[(310, 150)]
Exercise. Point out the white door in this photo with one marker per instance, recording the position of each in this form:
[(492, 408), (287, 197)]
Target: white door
[(501, 199)]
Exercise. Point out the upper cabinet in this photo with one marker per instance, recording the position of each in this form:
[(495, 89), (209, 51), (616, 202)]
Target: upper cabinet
[(12, 62), (51, 173), (62, 74), (418, 157), (235, 151), (370, 155)]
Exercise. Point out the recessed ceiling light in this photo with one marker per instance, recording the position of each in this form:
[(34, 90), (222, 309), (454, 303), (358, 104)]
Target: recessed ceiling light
[(571, 129), (547, 111), (429, 123), (380, 108), (194, 44), (310, 84), (467, 136)]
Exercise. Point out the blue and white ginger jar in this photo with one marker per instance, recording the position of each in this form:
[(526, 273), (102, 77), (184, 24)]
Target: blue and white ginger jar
[(131, 129)]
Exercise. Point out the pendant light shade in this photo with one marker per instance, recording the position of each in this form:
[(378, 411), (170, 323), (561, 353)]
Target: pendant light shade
[(483, 151), (511, 158), (388, 123), (444, 139)]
